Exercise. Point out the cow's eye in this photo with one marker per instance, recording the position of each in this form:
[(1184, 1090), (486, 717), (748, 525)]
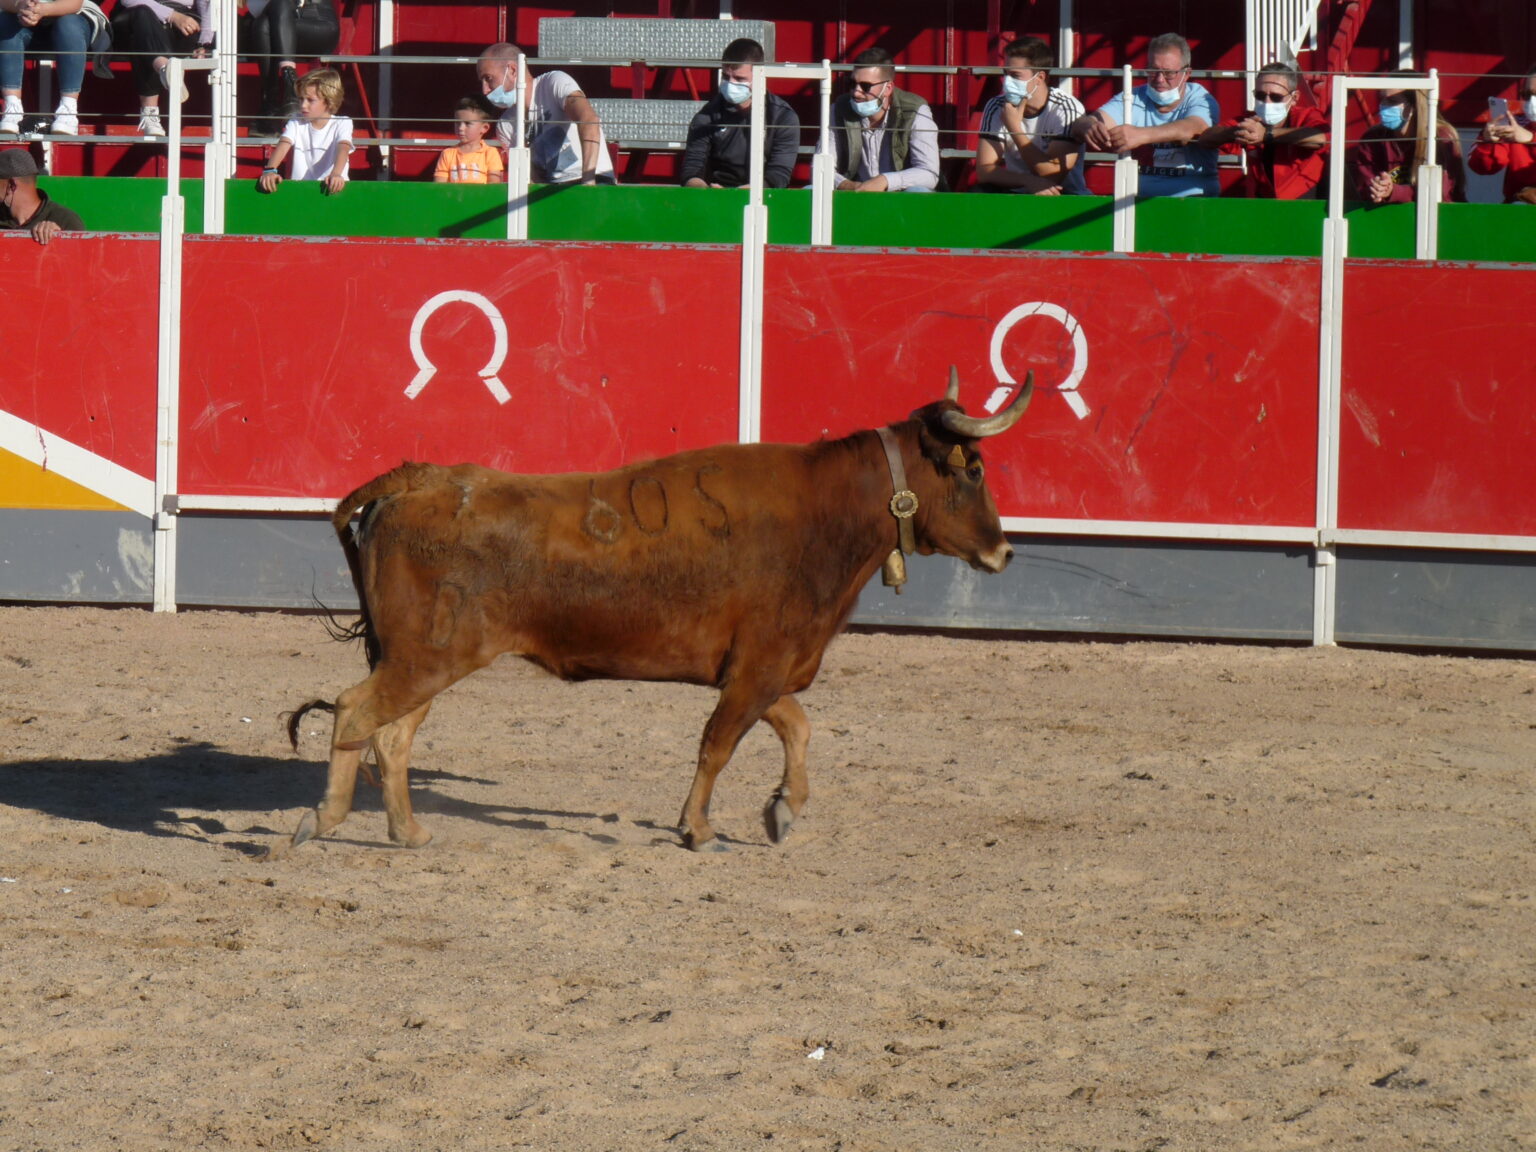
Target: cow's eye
[(974, 472)]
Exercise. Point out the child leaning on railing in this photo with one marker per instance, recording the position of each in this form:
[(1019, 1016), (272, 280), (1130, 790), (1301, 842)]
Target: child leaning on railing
[(319, 140)]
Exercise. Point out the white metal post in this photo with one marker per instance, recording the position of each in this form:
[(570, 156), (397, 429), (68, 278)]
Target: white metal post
[(1127, 179), (1066, 48), (519, 161), (1430, 179), (823, 166)]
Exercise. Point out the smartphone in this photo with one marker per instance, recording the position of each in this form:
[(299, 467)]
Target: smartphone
[(1498, 108)]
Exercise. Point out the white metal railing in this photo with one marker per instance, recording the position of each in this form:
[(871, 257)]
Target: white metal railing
[(1279, 29)]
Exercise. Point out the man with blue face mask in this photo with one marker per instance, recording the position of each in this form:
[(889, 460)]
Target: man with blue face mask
[(1168, 113), (719, 149), (1023, 146), (885, 139), (1286, 142), (563, 132)]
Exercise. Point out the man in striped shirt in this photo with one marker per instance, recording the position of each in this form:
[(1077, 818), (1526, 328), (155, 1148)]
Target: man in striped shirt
[(1024, 145)]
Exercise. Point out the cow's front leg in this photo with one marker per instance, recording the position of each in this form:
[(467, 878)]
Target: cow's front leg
[(737, 710), (789, 721), (392, 743)]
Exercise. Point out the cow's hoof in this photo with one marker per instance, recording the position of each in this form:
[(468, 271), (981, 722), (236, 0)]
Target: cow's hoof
[(713, 844), (413, 837), (308, 829), (777, 819)]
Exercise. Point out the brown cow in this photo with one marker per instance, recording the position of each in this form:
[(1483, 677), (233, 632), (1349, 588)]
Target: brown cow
[(731, 567)]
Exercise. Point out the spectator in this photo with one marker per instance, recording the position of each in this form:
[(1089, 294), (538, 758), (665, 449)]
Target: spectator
[(276, 32), (1387, 159), (153, 31), (1024, 146), (563, 131), (59, 25), (719, 152), (1286, 142), (28, 206), (1508, 145), (471, 160), (320, 140), (1168, 113), (885, 138)]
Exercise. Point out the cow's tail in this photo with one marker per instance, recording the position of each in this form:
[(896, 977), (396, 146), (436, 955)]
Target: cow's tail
[(299, 713), (391, 483)]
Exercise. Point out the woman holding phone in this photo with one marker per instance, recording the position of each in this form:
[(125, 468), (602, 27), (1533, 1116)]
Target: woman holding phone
[(1508, 142)]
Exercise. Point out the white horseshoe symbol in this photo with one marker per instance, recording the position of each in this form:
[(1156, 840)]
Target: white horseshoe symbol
[(1068, 387), (426, 369)]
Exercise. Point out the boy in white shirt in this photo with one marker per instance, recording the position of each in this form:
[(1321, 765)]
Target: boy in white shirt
[(319, 140)]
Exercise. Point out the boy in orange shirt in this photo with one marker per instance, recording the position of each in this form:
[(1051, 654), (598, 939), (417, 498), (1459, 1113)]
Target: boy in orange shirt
[(471, 160)]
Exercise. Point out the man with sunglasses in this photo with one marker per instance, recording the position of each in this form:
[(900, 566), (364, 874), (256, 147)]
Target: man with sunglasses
[(1168, 114), (1286, 142), (885, 138), (719, 149)]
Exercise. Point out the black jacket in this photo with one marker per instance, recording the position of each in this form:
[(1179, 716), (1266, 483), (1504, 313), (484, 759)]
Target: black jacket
[(719, 137)]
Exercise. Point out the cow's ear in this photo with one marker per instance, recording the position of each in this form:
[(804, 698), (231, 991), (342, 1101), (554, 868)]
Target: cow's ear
[(957, 457)]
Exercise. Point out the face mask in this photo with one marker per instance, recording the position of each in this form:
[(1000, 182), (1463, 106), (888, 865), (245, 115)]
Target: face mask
[(1016, 91), (1272, 114), (1165, 99), (501, 97), (1391, 117), (735, 92), (866, 108)]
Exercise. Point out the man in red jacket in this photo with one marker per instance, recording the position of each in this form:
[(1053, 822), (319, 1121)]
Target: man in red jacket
[(1286, 142)]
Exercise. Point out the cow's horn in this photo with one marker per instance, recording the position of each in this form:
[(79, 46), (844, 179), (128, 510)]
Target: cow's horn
[(962, 425), (953, 391)]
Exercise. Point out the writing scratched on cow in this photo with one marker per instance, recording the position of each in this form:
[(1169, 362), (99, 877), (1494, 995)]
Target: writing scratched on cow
[(649, 509)]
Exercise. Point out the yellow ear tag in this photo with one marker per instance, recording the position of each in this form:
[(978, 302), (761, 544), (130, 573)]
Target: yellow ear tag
[(957, 457)]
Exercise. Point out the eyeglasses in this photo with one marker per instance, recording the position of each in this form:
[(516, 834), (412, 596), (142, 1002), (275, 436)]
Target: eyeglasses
[(861, 86), (1165, 73), (1271, 97)]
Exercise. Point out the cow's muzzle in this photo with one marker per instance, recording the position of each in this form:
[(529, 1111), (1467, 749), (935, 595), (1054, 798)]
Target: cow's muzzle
[(997, 559)]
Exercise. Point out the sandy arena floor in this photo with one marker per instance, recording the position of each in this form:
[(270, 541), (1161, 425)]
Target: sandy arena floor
[(1047, 895)]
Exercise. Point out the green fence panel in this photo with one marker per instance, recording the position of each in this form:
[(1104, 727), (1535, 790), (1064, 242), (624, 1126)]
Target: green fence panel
[(1380, 231), (1230, 226), (122, 203), (972, 220), (662, 214), (1490, 232)]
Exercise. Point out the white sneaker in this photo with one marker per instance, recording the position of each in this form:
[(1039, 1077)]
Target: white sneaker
[(165, 82), (149, 123), (10, 123), (65, 124)]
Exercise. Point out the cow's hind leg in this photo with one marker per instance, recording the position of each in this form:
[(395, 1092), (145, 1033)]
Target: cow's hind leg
[(392, 743), (739, 707), (788, 720), (361, 711)]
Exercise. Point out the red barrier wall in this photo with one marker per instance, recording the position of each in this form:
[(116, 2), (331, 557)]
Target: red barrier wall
[(612, 354), (80, 342), (1199, 376), (1439, 399)]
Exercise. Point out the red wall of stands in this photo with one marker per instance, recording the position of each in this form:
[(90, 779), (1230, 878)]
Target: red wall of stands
[(1199, 374)]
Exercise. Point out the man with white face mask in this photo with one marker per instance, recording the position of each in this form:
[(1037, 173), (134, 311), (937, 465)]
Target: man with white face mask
[(885, 138), (719, 149), (1286, 142), (1168, 113), (564, 134), (1023, 145)]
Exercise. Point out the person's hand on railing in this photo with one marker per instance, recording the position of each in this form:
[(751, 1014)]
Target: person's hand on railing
[(1249, 131), (1381, 187)]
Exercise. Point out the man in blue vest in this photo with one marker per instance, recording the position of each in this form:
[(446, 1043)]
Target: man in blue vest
[(885, 138)]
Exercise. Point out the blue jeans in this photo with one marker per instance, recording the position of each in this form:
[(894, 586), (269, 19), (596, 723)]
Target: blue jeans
[(68, 36)]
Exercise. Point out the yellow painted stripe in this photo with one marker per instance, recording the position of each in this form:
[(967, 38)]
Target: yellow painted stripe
[(24, 484)]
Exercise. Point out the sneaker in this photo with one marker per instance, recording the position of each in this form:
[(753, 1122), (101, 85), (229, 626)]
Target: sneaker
[(149, 123), (65, 124), (165, 82), (10, 122)]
